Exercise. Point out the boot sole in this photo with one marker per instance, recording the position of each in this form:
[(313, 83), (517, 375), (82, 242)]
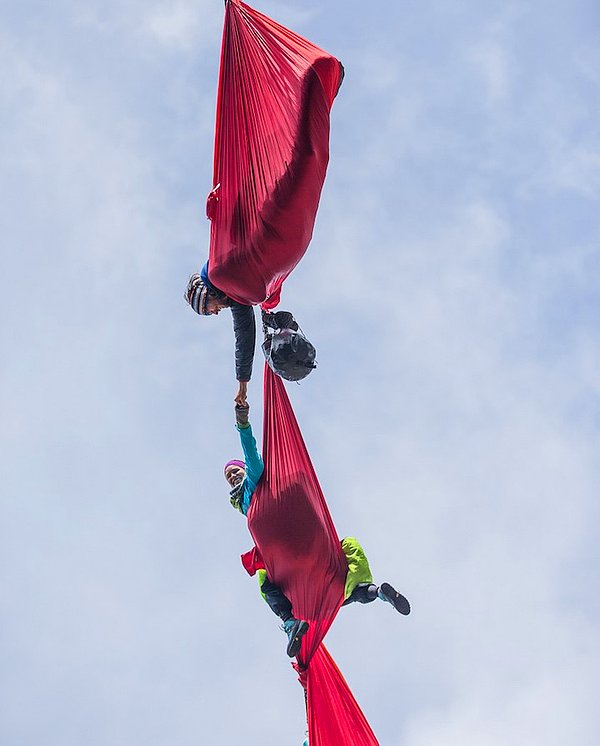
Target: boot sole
[(295, 643), (399, 602)]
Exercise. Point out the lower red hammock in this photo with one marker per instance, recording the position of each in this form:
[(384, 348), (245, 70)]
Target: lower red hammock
[(293, 530)]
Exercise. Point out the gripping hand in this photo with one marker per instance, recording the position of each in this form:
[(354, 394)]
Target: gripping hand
[(241, 415)]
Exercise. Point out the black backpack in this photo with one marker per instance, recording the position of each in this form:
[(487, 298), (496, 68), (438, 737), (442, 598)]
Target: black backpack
[(287, 351)]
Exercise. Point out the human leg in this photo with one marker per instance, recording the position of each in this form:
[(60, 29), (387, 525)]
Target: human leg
[(280, 604), (363, 593), (359, 581)]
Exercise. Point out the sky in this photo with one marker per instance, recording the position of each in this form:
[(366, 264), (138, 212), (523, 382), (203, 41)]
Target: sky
[(452, 290)]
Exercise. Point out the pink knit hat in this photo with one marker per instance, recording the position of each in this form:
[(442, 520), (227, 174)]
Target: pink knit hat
[(234, 462)]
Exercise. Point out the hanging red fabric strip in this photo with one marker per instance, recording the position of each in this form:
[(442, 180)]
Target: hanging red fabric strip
[(334, 716), (271, 153), (294, 533)]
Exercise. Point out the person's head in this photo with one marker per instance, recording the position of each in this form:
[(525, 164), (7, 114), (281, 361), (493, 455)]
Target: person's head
[(234, 471), (204, 299)]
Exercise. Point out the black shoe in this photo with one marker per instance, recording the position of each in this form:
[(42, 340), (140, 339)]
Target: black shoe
[(295, 630), (391, 595)]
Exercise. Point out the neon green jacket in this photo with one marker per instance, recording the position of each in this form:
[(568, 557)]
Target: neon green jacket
[(358, 565)]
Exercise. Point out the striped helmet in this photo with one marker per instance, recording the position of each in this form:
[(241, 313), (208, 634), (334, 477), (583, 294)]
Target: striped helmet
[(197, 294)]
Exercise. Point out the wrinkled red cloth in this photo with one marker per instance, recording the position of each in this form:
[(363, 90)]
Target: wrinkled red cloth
[(271, 153), (294, 535), (334, 717), (252, 561)]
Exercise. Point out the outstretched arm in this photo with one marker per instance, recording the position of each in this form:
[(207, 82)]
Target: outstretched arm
[(244, 328), (252, 458)]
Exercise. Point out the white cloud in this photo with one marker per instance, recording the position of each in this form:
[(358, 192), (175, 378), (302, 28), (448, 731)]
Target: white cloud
[(182, 24), (490, 58), (573, 168), (493, 55)]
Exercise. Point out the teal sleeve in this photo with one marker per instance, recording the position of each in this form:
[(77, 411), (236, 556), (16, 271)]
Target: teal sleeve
[(254, 465)]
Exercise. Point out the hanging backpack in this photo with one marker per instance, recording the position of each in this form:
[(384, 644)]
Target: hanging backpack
[(288, 352)]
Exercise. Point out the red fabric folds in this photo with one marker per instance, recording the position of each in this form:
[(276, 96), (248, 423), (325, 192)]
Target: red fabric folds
[(275, 93), (334, 716), (294, 533), (271, 153), (290, 522)]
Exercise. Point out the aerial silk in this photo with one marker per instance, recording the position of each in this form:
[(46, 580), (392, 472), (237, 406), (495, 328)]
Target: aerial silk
[(271, 153), (294, 533)]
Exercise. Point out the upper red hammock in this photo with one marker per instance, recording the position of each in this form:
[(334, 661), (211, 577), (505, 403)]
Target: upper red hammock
[(271, 153), (293, 531)]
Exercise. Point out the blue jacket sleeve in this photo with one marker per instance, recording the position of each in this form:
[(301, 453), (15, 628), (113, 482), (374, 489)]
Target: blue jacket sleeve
[(254, 465)]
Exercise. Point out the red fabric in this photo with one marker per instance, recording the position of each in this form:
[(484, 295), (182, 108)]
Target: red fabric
[(294, 533), (271, 153), (252, 561), (334, 716)]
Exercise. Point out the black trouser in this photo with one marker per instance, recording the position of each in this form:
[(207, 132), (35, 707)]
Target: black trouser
[(364, 593), (279, 603)]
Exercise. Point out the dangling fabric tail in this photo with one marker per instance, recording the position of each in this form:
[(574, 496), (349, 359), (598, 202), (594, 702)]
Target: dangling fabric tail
[(334, 716)]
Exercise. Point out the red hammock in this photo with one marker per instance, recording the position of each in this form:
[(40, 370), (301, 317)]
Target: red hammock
[(292, 529), (271, 153)]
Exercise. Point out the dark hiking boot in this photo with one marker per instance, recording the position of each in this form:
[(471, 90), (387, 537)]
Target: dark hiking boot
[(391, 595), (295, 629)]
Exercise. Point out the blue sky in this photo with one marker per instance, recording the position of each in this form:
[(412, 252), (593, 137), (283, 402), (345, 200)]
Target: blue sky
[(452, 291)]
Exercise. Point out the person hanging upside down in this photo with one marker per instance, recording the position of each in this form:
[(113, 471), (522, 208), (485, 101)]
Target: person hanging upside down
[(208, 300), (243, 477)]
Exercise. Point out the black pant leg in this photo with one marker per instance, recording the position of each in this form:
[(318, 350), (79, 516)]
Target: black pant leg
[(278, 602), (364, 593)]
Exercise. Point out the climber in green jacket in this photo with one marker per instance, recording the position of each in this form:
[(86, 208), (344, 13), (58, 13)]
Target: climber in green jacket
[(243, 477)]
